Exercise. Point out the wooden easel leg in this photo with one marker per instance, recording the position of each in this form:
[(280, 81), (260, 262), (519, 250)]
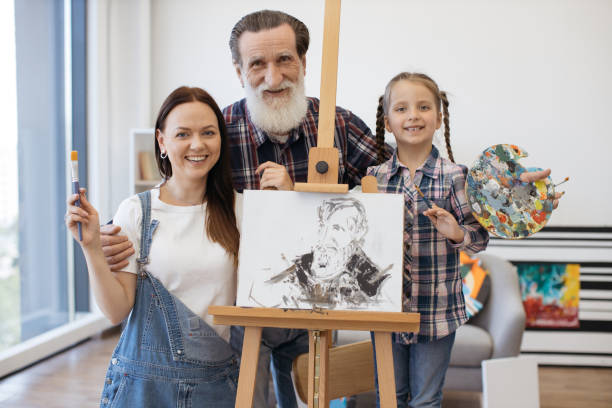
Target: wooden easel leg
[(248, 367), (312, 344), (326, 340), (384, 365), (318, 368)]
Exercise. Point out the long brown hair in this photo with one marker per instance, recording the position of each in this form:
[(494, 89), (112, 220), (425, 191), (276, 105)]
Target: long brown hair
[(220, 216), (383, 108)]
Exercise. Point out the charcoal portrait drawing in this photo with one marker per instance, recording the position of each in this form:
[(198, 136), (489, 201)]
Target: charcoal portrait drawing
[(334, 268)]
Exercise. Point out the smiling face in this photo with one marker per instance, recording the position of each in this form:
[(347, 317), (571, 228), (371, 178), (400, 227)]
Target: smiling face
[(413, 114), (192, 140), (270, 62), (272, 74)]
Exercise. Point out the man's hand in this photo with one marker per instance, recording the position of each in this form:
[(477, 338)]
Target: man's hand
[(274, 175), (116, 248), (531, 176)]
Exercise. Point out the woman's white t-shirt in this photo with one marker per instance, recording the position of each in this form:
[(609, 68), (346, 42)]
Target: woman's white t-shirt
[(197, 271)]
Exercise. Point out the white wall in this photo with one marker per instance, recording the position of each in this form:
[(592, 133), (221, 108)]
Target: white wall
[(531, 73)]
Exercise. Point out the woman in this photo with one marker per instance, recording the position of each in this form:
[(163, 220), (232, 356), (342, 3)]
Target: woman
[(186, 240)]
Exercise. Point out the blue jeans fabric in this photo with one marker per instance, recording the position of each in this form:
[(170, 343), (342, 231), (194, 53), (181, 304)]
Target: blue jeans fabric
[(279, 347), (167, 356), (420, 370)]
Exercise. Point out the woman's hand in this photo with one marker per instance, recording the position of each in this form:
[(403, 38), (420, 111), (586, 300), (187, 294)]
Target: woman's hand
[(87, 216), (445, 223)]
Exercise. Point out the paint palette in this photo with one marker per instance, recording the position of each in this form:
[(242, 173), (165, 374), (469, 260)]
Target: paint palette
[(506, 206)]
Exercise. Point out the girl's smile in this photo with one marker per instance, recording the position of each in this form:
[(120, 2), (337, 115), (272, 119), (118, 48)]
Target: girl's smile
[(414, 128)]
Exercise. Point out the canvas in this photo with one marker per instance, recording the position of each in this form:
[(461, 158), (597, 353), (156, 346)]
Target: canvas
[(550, 294), (315, 250)]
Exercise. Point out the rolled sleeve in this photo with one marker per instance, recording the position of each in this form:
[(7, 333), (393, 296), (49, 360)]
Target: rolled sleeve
[(475, 237)]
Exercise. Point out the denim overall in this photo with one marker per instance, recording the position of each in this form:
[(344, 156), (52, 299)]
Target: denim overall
[(167, 356)]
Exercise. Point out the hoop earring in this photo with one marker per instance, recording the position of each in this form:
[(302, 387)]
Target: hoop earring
[(163, 155)]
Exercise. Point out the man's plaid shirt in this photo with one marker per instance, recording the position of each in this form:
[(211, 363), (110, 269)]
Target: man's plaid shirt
[(432, 283), (250, 147)]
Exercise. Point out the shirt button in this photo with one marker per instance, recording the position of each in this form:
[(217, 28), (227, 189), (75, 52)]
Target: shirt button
[(105, 400), (179, 351), (109, 381), (114, 361)]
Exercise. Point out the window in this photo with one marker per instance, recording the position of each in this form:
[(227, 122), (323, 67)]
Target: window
[(43, 282)]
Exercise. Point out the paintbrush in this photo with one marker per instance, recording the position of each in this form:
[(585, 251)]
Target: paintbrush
[(429, 204), (75, 184), (564, 180)]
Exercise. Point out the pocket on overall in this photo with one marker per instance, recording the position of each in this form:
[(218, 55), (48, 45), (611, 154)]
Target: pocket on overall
[(138, 391), (154, 333), (199, 342), (213, 387), (172, 328)]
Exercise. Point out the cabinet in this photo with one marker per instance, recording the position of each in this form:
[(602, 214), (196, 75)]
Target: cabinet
[(142, 167)]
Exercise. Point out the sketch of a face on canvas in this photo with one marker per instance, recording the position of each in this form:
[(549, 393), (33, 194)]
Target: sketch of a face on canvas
[(336, 272), (342, 226)]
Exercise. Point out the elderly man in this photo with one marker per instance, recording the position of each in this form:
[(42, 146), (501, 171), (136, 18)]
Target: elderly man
[(270, 134)]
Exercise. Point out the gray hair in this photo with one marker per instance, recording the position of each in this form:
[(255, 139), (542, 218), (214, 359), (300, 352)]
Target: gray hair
[(267, 20), (333, 205)]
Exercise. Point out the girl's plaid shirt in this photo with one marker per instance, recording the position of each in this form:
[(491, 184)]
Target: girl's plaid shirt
[(432, 283)]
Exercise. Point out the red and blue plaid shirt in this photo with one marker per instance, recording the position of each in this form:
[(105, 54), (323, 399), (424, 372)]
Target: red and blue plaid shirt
[(250, 147), (432, 283)]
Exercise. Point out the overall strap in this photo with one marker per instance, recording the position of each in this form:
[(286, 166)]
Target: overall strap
[(146, 231)]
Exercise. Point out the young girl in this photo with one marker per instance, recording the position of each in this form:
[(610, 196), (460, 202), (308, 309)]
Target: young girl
[(411, 109), (186, 240)]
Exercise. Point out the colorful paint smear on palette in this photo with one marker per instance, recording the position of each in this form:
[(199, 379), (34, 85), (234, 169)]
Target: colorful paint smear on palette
[(506, 206), (550, 294)]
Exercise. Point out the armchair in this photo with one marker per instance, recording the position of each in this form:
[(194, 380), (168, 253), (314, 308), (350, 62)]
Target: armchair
[(495, 332)]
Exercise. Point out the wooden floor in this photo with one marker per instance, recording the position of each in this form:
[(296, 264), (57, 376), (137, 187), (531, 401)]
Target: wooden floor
[(74, 379)]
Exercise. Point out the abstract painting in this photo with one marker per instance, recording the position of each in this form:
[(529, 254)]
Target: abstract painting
[(550, 294), (506, 206), (315, 250), (476, 283)]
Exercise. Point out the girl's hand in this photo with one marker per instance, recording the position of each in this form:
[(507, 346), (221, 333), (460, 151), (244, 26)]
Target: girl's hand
[(445, 223), (87, 216), (531, 176)]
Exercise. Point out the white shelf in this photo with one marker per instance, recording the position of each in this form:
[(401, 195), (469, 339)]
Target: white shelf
[(140, 140)]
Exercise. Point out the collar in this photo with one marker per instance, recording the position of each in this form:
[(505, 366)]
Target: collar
[(431, 168)]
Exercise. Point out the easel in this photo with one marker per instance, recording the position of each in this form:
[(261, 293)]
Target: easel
[(322, 177)]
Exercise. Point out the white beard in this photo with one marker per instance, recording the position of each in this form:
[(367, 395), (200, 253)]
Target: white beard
[(281, 115), (328, 262)]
